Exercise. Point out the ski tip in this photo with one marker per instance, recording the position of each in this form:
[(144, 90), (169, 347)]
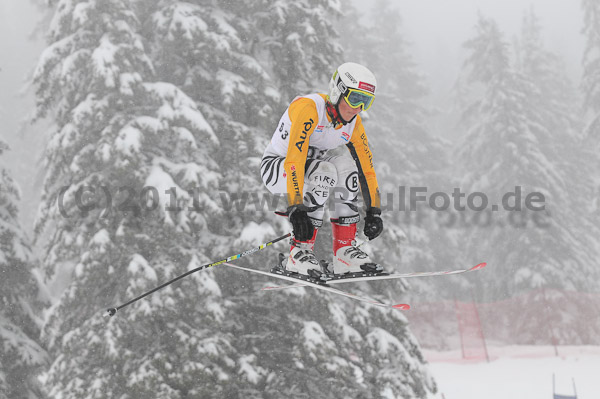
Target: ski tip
[(479, 266), (401, 306)]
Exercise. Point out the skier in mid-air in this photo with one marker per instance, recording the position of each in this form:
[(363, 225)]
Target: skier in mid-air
[(296, 163)]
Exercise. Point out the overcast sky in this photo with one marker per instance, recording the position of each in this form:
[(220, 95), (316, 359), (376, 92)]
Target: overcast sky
[(435, 27), (18, 56)]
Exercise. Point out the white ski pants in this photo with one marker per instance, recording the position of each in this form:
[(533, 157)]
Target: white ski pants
[(333, 178)]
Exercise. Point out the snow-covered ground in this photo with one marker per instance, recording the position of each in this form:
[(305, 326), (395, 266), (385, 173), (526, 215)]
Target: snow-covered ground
[(518, 372)]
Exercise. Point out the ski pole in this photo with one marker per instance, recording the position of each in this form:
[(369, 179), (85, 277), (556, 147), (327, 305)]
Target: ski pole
[(112, 311)]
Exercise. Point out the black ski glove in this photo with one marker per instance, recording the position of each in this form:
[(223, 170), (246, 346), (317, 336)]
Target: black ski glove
[(373, 223), (303, 227)]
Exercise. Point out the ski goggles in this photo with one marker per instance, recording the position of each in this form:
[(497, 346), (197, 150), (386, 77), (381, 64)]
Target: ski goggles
[(358, 98)]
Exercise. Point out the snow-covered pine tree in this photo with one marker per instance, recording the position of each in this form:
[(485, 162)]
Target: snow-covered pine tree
[(126, 150), (555, 117), (591, 66), (190, 362), (516, 130), (559, 112), (300, 44), (209, 51), (262, 55), (21, 356), (590, 86), (558, 121), (497, 134), (546, 71)]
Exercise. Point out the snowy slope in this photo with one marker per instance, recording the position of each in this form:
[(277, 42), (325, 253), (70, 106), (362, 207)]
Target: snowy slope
[(518, 372)]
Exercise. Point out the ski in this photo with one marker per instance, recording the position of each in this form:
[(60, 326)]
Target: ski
[(323, 287), (356, 277)]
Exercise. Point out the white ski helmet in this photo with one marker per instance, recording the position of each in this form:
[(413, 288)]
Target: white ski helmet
[(351, 77)]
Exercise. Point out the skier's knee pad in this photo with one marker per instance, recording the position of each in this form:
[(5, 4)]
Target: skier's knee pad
[(320, 177), (348, 185), (344, 165)]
